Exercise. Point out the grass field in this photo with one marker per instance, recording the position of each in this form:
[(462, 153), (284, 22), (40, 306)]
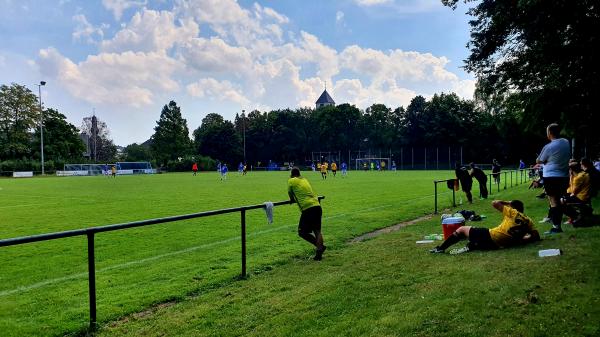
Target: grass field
[(180, 278), (43, 286)]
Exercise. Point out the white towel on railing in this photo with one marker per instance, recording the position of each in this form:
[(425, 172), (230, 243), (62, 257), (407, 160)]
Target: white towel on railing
[(269, 211)]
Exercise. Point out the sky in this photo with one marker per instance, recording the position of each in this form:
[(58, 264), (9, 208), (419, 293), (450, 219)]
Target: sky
[(125, 59)]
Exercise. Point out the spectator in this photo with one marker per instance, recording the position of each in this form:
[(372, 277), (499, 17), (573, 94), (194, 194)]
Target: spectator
[(594, 174), (309, 228), (481, 177), (515, 229), (496, 171), (578, 194), (555, 157), (466, 181)]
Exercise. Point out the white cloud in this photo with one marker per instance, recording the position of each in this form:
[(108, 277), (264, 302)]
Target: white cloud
[(246, 58), (339, 17), (119, 6), (130, 79), (270, 13), (212, 89), (152, 31), (85, 30), (367, 3), (216, 56)]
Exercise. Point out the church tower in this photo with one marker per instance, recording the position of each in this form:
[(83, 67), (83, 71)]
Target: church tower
[(324, 100)]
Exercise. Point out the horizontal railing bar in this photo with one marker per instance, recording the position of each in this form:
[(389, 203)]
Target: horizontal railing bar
[(108, 228)]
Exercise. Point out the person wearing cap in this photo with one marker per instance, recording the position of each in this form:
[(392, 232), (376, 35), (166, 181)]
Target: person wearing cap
[(515, 229), (309, 227)]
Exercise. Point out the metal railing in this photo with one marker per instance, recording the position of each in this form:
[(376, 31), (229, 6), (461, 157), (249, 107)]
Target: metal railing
[(90, 232), (517, 177)]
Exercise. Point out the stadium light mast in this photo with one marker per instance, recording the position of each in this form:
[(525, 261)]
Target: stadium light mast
[(42, 83), (244, 128)]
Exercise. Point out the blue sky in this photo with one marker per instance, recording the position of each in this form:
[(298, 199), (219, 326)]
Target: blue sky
[(128, 58)]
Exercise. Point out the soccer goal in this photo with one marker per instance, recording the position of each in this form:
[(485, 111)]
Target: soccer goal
[(99, 169), (373, 164)]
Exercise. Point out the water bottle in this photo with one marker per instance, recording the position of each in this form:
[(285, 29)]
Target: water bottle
[(549, 252)]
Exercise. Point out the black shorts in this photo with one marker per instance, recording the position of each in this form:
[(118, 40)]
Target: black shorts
[(310, 220), (556, 186), (480, 239)]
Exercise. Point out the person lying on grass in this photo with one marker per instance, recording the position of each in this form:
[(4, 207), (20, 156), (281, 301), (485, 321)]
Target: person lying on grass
[(516, 229)]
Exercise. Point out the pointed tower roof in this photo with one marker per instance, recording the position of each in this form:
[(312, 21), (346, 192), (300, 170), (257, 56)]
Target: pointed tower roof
[(325, 98)]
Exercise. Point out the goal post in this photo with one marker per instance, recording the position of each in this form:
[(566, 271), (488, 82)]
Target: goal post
[(384, 164)]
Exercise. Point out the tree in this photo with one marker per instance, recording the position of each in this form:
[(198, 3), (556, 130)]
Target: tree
[(19, 114), (61, 138), (171, 138), (544, 53), (218, 139), (100, 145), (137, 152)]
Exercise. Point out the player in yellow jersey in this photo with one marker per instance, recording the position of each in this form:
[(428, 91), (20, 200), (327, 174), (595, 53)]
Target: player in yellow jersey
[(301, 192), (333, 168), (516, 228), (324, 168)]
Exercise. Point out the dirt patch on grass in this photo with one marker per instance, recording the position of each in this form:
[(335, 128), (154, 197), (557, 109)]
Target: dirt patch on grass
[(390, 229)]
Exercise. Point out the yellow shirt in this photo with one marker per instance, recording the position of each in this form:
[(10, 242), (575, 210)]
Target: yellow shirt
[(299, 190), (580, 183), (324, 167), (334, 167), (512, 229)]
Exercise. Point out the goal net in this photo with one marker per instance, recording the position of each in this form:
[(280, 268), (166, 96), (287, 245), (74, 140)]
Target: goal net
[(373, 164)]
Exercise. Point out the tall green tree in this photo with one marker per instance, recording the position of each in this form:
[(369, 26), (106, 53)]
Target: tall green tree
[(545, 53), (171, 138), (218, 139), (19, 114), (137, 152), (61, 138)]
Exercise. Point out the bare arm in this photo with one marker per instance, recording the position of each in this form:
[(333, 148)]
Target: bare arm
[(499, 204)]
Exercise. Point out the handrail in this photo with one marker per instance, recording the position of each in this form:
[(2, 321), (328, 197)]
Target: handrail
[(91, 231), (490, 176)]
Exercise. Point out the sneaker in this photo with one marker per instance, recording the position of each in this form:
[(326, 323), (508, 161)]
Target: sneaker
[(459, 250), (319, 254), (437, 250), (568, 222), (553, 230), (546, 220)]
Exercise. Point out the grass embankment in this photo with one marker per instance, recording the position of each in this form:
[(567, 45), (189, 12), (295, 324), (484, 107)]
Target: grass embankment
[(390, 286)]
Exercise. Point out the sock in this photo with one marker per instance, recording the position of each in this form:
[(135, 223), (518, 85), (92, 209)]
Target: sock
[(556, 216), (452, 239)]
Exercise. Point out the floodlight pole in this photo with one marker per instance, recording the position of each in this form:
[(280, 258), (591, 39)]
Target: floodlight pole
[(244, 128), (42, 83)]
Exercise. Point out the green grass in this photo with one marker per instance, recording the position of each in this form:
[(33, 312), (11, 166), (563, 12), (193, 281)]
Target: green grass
[(179, 279), (43, 286)]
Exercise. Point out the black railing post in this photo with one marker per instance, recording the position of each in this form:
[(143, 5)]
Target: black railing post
[(435, 196), (453, 197), (243, 219), (504, 179), (490, 179), (511, 184), (92, 279)]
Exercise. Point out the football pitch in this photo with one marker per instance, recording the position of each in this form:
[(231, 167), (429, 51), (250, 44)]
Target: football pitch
[(44, 286)]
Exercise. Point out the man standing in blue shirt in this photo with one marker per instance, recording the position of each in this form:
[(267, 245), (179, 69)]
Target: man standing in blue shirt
[(555, 158)]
